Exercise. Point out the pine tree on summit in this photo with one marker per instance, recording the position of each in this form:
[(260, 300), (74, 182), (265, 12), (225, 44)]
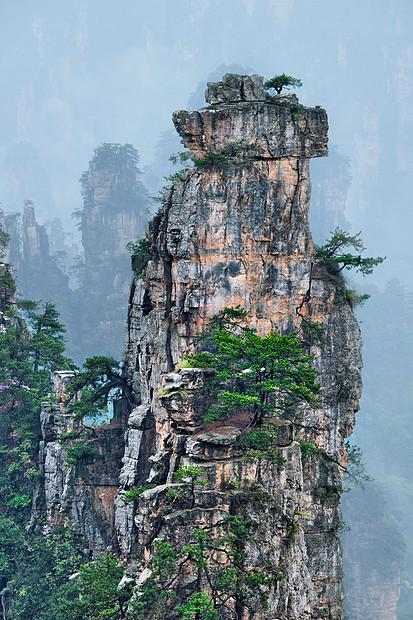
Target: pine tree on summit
[(280, 82)]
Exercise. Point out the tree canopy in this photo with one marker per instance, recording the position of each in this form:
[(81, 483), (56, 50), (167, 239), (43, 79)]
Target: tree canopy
[(269, 375), (333, 251), (99, 382), (4, 242), (282, 82)]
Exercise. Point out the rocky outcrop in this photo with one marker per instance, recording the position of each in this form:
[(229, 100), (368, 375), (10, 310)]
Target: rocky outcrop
[(35, 241), (234, 231), (38, 276), (231, 231), (79, 482), (284, 129), (113, 214)]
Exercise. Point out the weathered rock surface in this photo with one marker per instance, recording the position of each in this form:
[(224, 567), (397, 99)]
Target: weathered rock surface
[(226, 235), (278, 127), (373, 598), (238, 235), (113, 214), (80, 495), (35, 241), (234, 88)]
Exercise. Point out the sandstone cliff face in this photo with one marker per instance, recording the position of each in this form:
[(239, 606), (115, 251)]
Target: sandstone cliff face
[(35, 241), (238, 234), (372, 598), (78, 494), (113, 214), (226, 235)]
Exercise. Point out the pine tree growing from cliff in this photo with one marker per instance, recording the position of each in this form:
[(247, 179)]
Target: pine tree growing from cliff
[(280, 82), (269, 376), (334, 252)]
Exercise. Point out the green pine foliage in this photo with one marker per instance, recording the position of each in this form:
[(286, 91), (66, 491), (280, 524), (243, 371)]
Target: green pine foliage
[(35, 569), (4, 242), (35, 564), (266, 375), (27, 356), (99, 382), (216, 557), (334, 252), (130, 192), (141, 254), (281, 82), (94, 593), (235, 153)]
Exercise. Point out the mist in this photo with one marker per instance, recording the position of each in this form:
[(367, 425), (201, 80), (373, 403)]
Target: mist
[(80, 74)]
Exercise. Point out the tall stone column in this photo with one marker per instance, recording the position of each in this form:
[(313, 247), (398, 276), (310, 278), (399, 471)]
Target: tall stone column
[(233, 230)]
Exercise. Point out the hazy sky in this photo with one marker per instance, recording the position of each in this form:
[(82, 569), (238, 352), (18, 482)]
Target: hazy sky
[(76, 74)]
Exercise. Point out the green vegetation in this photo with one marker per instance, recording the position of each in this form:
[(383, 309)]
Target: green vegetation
[(191, 475), (307, 448), (181, 157), (35, 564), (355, 298), (47, 345), (26, 360), (237, 152), (133, 494), (333, 252), (215, 556), (96, 325), (35, 569), (7, 284), (281, 82), (94, 593), (99, 382), (219, 160), (260, 445), (176, 176), (126, 193), (267, 376), (115, 154), (141, 254), (80, 450), (297, 109), (313, 332)]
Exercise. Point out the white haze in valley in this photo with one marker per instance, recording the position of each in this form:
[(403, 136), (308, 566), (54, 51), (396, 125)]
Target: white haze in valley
[(80, 73)]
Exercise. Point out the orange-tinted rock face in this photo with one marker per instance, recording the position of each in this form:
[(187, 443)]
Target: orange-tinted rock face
[(277, 128), (238, 235)]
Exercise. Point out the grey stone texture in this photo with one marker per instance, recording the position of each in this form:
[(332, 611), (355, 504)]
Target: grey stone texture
[(234, 88), (230, 235), (225, 236), (271, 127)]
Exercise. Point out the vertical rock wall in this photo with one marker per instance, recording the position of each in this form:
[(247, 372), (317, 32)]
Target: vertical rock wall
[(80, 493), (227, 235), (113, 214)]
